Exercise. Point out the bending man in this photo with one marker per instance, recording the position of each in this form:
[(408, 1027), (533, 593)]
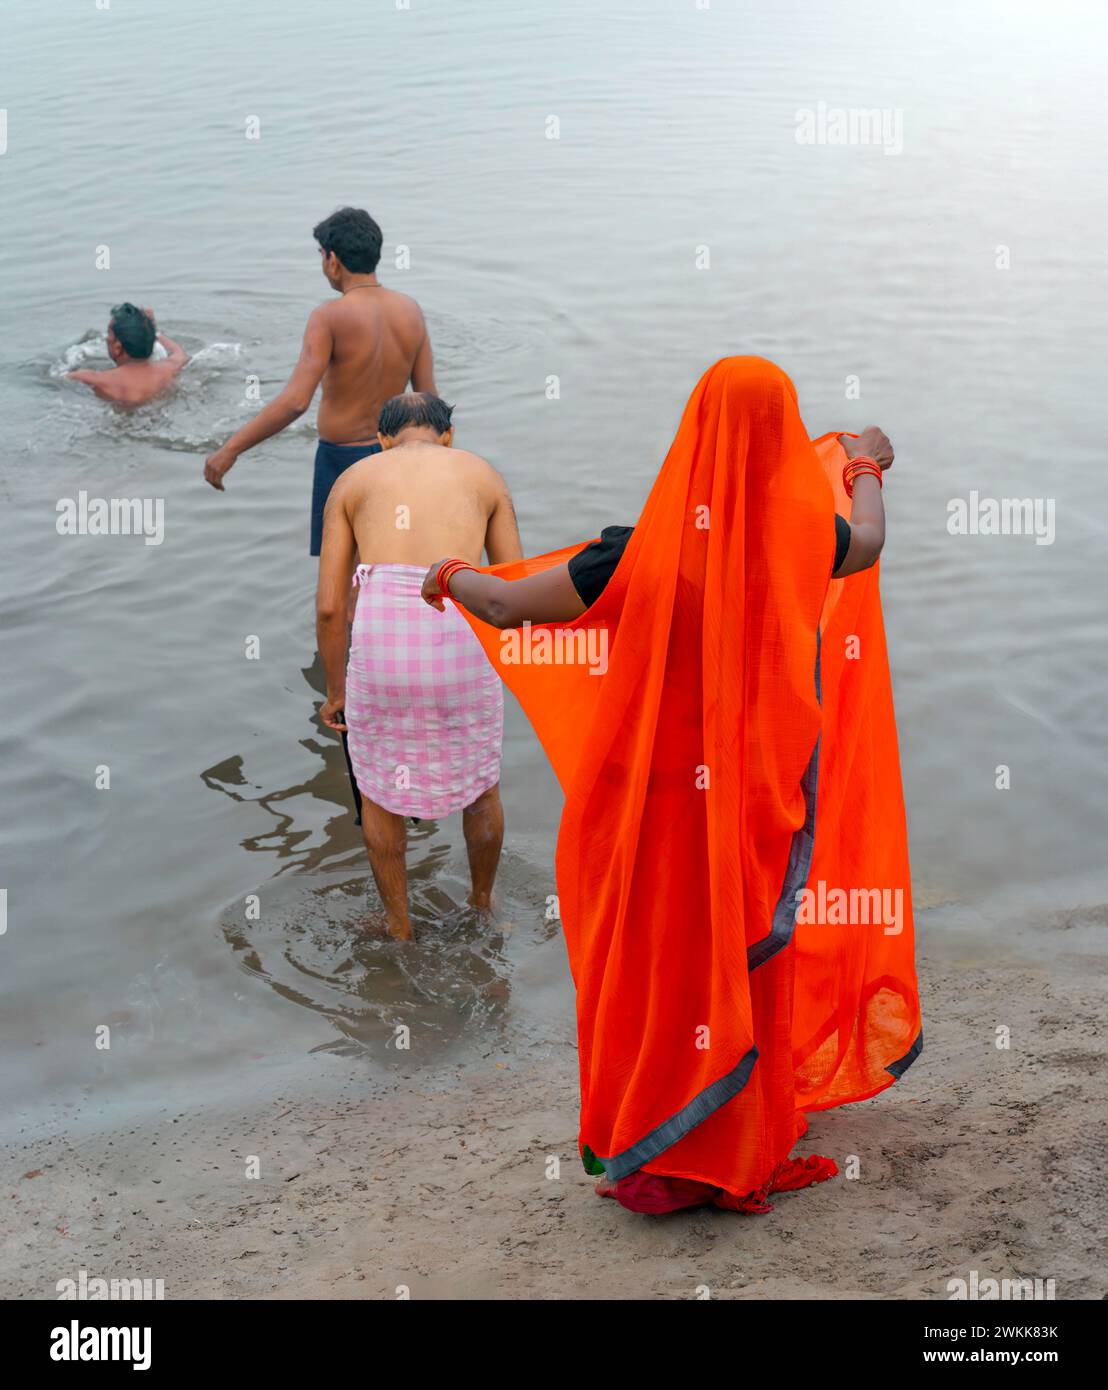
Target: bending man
[(423, 709)]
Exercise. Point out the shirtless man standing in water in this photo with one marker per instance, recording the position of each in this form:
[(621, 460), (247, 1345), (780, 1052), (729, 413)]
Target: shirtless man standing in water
[(423, 706), (364, 347)]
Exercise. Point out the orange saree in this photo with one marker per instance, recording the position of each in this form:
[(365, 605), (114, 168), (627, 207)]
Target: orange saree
[(733, 806)]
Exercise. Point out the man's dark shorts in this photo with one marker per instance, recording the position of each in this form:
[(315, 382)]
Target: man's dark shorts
[(331, 461)]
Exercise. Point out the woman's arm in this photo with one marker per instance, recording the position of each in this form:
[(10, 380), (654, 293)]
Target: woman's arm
[(549, 597), (867, 514)]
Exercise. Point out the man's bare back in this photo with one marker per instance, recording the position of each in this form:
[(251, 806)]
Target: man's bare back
[(418, 501), (377, 337), (132, 384)]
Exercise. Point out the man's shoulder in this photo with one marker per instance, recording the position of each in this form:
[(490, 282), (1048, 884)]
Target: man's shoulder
[(324, 313), (107, 383), (480, 471), (468, 459), (400, 299), (395, 300), (398, 309), (358, 476)]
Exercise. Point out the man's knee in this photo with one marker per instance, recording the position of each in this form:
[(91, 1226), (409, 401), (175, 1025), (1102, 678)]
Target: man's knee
[(384, 833), (485, 802)]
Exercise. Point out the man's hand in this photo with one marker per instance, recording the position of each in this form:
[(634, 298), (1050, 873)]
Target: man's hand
[(431, 593), (216, 465), (872, 442), (333, 714)]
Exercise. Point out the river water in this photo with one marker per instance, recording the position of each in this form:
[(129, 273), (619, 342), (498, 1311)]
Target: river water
[(611, 195)]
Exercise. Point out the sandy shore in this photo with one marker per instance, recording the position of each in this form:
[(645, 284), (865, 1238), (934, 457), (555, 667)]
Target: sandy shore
[(979, 1159)]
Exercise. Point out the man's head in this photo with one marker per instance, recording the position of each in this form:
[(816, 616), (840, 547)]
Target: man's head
[(350, 241), (131, 333), (417, 415)]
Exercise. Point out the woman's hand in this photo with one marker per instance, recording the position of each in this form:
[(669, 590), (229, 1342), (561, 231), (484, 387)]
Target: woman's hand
[(333, 714), (431, 593), (872, 442)]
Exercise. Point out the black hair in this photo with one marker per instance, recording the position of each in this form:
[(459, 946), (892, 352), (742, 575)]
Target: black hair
[(414, 408), (134, 329), (353, 236)]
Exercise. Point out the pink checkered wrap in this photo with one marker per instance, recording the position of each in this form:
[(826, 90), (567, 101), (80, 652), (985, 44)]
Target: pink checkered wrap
[(424, 708)]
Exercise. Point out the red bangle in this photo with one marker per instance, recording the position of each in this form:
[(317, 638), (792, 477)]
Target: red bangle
[(855, 467), (873, 469), (848, 482), (446, 572), (443, 576), (859, 463)]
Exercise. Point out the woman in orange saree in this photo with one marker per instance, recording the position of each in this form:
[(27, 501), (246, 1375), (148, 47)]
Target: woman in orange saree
[(732, 861)]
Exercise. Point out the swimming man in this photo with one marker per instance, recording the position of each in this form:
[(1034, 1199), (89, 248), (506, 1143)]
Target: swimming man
[(136, 377)]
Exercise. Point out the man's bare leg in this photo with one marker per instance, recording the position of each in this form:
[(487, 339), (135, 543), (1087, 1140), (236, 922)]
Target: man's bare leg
[(483, 826), (386, 840)]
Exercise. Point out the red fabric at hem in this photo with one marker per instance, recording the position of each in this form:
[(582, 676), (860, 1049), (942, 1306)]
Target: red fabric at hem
[(656, 1195)]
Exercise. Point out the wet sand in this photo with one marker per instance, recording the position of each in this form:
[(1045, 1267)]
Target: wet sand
[(436, 1182)]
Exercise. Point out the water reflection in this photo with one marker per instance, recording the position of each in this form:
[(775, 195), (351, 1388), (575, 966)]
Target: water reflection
[(309, 943), (300, 844), (315, 931)]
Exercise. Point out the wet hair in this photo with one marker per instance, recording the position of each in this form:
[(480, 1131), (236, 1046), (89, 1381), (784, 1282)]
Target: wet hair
[(418, 408), (134, 329), (353, 236)]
